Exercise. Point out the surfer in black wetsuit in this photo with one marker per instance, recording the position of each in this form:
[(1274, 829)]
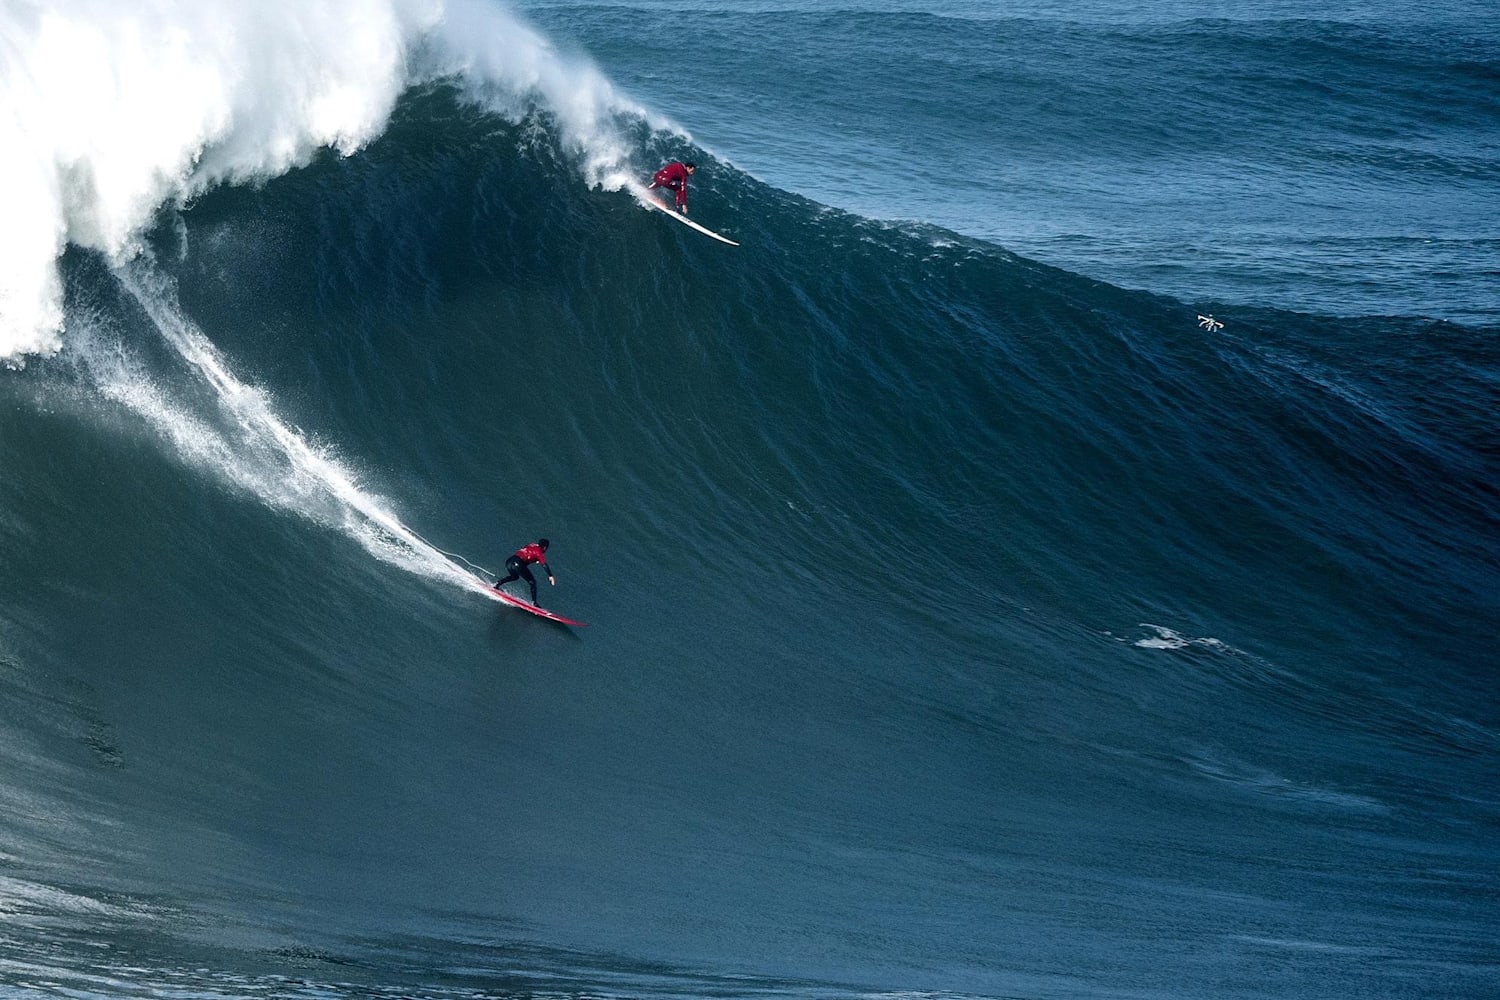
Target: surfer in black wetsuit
[(519, 565)]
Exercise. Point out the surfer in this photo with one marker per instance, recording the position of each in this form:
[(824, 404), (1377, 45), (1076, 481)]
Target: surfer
[(518, 565), (674, 177)]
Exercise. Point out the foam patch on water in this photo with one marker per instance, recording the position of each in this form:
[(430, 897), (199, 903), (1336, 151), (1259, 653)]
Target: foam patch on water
[(1166, 638)]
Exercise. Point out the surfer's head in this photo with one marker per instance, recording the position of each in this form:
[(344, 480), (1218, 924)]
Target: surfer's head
[(542, 543), (691, 166)]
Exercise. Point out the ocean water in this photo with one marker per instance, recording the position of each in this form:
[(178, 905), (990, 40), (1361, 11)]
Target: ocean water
[(965, 618)]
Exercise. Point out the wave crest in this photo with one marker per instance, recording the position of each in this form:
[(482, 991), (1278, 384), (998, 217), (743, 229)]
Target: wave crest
[(117, 110)]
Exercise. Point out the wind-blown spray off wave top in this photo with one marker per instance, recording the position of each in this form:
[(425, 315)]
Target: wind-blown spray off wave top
[(113, 110)]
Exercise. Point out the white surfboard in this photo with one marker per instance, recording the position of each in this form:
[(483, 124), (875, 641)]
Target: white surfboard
[(645, 197)]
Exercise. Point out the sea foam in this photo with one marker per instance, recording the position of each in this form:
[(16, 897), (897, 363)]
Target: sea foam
[(114, 109)]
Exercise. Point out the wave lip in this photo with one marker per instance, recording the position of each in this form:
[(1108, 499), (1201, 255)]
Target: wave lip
[(116, 111)]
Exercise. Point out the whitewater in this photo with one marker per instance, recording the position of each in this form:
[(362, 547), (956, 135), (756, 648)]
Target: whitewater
[(967, 620), (117, 111), (122, 112)]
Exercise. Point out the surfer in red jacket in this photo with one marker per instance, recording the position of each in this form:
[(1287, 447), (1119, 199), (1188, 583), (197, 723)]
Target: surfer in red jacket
[(518, 565), (674, 177)]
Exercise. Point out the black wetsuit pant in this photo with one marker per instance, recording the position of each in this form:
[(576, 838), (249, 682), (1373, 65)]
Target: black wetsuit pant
[(518, 571)]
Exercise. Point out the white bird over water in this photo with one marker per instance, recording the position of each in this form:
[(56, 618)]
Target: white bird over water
[(1209, 323)]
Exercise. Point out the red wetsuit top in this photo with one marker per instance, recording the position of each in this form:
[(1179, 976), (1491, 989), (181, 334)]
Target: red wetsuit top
[(532, 553), (673, 177)]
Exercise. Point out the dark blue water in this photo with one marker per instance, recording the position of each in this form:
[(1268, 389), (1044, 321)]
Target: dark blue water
[(964, 618), (1339, 159)]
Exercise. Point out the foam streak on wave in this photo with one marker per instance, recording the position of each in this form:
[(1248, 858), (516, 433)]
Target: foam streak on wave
[(111, 110), (256, 449)]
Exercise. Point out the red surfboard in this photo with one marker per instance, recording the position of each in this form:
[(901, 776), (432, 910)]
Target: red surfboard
[(516, 602)]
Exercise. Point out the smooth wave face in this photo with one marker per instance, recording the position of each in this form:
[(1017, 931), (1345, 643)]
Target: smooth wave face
[(958, 624)]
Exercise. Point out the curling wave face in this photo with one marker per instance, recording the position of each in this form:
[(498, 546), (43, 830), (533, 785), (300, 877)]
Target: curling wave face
[(115, 110)]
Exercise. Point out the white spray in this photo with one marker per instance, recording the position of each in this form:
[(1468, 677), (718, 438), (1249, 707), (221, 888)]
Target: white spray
[(248, 443), (110, 109)]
